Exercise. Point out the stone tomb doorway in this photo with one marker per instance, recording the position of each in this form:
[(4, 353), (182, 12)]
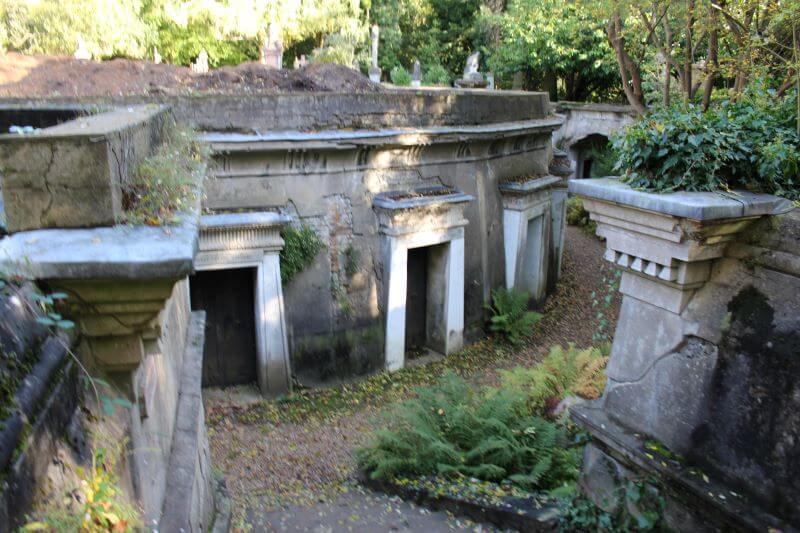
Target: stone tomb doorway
[(426, 300), (422, 249), (238, 281), (227, 297)]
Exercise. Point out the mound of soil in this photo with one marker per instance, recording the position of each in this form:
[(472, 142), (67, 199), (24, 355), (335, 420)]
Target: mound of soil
[(40, 76)]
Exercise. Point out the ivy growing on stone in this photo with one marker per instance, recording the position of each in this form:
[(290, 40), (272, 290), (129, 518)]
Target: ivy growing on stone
[(300, 246)]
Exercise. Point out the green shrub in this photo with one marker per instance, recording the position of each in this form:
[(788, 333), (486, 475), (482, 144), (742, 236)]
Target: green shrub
[(749, 144), (453, 429), (300, 247), (435, 75), (577, 215), (564, 372), (400, 76), (510, 315)]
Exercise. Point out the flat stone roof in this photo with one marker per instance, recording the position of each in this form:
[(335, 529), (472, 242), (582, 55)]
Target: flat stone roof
[(278, 140), (98, 124), (694, 205), (528, 186), (117, 252)]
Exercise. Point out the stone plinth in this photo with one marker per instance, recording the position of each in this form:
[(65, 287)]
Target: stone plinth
[(686, 305), (253, 240), (425, 217), (70, 175), (527, 233)]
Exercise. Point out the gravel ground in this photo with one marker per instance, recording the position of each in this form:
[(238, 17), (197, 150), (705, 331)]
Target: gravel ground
[(300, 476)]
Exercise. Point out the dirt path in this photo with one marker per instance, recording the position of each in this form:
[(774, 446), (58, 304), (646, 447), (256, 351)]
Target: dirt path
[(299, 476)]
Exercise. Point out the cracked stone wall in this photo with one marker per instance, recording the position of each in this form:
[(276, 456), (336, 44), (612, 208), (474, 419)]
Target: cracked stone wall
[(70, 175), (334, 314), (721, 382)]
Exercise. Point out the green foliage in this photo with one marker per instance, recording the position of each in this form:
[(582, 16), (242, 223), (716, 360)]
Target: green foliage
[(552, 37), (108, 29), (452, 429), (166, 182), (510, 315), (577, 215), (750, 144), (642, 510), (570, 372), (400, 76), (437, 32), (435, 75), (96, 504), (182, 43), (300, 247)]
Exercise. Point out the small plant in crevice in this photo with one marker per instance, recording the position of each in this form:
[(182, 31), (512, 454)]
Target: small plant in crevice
[(96, 503), (300, 246), (602, 301), (510, 315), (352, 258), (339, 294), (167, 181), (640, 508)]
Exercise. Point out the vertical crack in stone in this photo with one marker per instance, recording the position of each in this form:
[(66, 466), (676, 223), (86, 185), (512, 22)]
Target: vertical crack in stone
[(51, 200)]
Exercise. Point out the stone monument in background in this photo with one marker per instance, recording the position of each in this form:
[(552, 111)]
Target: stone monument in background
[(82, 52), (272, 50), (156, 56), (472, 79), (374, 69), (416, 76), (200, 65), (300, 62)]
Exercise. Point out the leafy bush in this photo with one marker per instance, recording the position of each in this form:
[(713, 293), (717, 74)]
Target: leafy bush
[(435, 75), (577, 215), (562, 373), (454, 429), (749, 144), (510, 315), (400, 76), (300, 247), (181, 43), (165, 182)]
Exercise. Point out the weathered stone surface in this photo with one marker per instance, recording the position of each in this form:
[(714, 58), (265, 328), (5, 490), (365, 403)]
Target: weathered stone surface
[(692, 205), (119, 252), (69, 175), (189, 497), (704, 357)]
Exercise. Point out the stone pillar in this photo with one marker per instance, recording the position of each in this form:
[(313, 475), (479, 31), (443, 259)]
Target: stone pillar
[(274, 375), (666, 361), (416, 74), (236, 240), (526, 234), (426, 217), (562, 168), (396, 257)]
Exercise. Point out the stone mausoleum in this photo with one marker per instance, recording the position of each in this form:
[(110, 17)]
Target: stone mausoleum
[(423, 203)]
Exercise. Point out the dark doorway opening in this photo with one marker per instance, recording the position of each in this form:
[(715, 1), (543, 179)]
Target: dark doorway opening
[(416, 302), (228, 298)]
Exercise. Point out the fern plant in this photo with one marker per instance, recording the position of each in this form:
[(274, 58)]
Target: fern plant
[(564, 372), (510, 315), (453, 429)]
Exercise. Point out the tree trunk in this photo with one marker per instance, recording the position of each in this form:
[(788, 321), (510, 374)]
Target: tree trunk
[(628, 70), (712, 62)]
